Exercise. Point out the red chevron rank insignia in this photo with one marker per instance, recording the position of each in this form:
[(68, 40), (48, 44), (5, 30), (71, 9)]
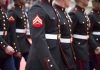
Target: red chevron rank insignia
[(37, 22), (11, 19)]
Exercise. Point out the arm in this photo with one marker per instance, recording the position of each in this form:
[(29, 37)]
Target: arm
[(12, 34), (4, 41), (37, 30), (92, 40), (74, 20)]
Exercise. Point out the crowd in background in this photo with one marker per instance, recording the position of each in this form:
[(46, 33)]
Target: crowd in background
[(9, 4)]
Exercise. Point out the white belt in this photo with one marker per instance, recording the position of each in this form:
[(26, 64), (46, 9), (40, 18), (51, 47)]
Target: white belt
[(20, 30), (96, 33), (63, 40), (28, 32), (81, 36), (2, 32), (51, 36)]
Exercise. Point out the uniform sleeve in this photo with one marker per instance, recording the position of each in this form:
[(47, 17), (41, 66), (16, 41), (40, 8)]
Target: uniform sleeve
[(74, 20), (91, 39), (37, 29), (12, 33), (3, 39)]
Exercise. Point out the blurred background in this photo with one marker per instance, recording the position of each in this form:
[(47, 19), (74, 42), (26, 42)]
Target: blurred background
[(30, 2)]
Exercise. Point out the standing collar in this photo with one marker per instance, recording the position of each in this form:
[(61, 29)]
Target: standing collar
[(79, 8), (96, 11), (55, 4)]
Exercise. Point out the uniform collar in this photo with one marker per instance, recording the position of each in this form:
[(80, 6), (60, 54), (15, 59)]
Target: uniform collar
[(96, 11), (18, 6), (59, 7), (79, 8)]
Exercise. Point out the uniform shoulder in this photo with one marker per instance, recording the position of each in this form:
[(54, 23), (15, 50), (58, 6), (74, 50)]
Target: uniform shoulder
[(73, 12), (36, 8), (36, 4)]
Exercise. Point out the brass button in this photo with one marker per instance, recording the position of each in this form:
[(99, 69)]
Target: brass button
[(14, 43), (51, 65), (70, 30), (15, 47), (97, 39), (4, 45), (21, 17), (1, 42), (66, 16), (87, 32), (87, 28), (3, 20), (3, 24), (2, 12), (24, 22), (24, 26), (16, 50), (48, 60), (4, 28), (24, 16), (48, 47), (69, 25), (68, 20), (87, 20), (83, 22), (79, 43), (24, 19), (3, 16)]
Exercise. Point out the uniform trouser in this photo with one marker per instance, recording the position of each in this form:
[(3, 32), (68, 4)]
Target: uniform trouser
[(17, 60), (58, 59), (9, 64), (82, 54), (97, 68), (80, 65), (94, 61)]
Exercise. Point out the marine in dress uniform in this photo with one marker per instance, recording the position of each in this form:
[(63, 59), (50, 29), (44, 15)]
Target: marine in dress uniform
[(81, 29), (65, 31), (18, 20), (44, 52), (6, 51), (94, 41)]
